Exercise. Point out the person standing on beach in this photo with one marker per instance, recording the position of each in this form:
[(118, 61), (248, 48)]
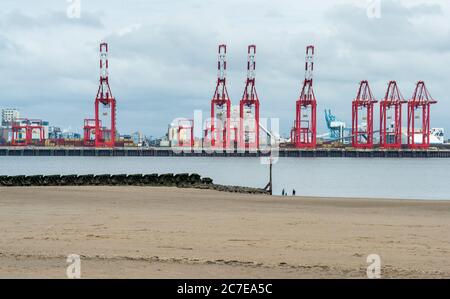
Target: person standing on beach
[(283, 193), (293, 192)]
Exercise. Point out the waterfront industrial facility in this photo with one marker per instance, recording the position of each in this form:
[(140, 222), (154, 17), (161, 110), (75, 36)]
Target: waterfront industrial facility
[(239, 128)]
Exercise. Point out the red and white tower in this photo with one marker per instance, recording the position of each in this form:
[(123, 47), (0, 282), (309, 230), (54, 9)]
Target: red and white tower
[(249, 107), (419, 117), (362, 117), (105, 105), (304, 132), (220, 106), (391, 117)]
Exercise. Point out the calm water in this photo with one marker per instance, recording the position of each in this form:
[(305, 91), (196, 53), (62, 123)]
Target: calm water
[(378, 178)]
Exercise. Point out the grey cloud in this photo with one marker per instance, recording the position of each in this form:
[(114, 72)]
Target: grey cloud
[(424, 9), (5, 43), (165, 66), (16, 19), (394, 31), (169, 43)]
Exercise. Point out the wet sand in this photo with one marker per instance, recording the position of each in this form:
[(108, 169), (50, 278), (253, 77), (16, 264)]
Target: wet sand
[(143, 232)]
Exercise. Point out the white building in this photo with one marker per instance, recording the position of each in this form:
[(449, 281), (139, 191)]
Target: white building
[(437, 136), (8, 115), (138, 138)]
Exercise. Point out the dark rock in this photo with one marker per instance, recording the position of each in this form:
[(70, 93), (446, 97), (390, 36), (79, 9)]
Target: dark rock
[(51, 180), (166, 179), (119, 179), (68, 180), (150, 179), (182, 179), (102, 180), (207, 181), (6, 181), (84, 180), (35, 180), (18, 180), (3, 180), (134, 179), (195, 178)]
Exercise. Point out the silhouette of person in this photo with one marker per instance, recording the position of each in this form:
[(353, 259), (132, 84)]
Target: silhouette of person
[(283, 193), (293, 192)]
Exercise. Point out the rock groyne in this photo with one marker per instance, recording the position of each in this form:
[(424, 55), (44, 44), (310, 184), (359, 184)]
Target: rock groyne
[(182, 180)]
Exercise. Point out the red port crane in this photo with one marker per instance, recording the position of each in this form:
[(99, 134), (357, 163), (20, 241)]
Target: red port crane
[(249, 107), (23, 130), (391, 117), (105, 104), (419, 117), (362, 110), (89, 132), (186, 125), (304, 133), (220, 106)]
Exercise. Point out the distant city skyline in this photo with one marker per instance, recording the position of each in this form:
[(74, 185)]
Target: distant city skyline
[(163, 56)]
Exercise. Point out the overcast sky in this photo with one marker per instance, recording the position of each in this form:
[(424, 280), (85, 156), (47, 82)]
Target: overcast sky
[(163, 56)]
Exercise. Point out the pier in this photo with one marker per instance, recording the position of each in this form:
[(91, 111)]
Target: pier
[(170, 152)]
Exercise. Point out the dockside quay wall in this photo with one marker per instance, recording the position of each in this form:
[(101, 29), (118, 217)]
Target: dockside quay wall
[(169, 152)]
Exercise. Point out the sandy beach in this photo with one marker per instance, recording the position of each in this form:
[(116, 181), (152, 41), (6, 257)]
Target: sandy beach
[(143, 232)]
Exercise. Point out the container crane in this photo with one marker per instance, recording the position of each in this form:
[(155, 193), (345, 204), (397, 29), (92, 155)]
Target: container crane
[(249, 107), (304, 133)]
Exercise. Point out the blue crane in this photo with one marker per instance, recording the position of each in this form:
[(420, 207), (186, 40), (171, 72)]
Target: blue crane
[(337, 128)]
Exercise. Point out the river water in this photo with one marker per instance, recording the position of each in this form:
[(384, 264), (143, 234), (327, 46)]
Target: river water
[(334, 177)]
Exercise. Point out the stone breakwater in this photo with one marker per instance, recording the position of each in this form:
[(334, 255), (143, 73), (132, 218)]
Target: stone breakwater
[(183, 180)]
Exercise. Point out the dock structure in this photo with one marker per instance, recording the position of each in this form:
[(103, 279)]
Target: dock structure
[(169, 152)]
